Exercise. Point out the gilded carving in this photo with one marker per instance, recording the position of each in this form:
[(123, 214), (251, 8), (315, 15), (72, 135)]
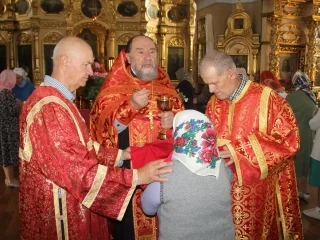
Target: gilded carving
[(128, 27), (124, 38), (312, 50), (8, 25), (274, 54), (291, 34), (154, 38), (53, 24), (176, 42), (239, 23), (292, 9), (172, 30), (238, 40), (24, 39), (152, 29), (52, 37), (2, 40), (174, 1)]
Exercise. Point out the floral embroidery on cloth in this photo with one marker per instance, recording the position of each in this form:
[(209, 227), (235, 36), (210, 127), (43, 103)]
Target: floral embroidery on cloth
[(195, 143)]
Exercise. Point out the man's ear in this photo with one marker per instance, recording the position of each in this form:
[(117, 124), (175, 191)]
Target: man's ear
[(64, 60), (128, 57)]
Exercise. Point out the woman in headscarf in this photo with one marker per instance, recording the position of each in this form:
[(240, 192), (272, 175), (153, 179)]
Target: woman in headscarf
[(275, 85), (267, 75), (185, 87), (195, 203), (304, 104), (9, 127)]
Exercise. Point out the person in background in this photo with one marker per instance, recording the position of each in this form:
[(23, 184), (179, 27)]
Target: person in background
[(303, 103), (9, 127), (275, 85), (314, 178), (256, 76), (23, 88), (26, 70), (267, 75), (258, 136), (185, 87), (125, 113), (69, 183), (198, 174), (203, 99)]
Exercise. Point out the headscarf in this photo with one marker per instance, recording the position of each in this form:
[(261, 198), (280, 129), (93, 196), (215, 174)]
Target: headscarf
[(183, 74), (20, 72), (7, 79), (275, 85), (195, 143), (267, 75), (301, 81), (242, 74)]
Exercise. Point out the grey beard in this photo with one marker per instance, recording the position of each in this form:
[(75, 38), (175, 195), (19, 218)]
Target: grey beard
[(146, 76)]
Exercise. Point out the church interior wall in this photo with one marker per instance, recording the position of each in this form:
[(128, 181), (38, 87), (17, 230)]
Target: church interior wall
[(171, 24), (221, 11)]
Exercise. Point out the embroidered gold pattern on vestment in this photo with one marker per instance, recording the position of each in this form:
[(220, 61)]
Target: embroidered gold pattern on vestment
[(96, 185), (129, 195), (26, 152), (264, 102), (260, 156)]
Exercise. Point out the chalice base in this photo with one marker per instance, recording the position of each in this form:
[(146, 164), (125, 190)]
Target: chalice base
[(162, 134)]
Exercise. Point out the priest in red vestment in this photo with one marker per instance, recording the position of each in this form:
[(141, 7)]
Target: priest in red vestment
[(64, 192), (125, 114), (258, 136)]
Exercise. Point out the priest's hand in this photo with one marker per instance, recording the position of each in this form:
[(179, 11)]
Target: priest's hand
[(150, 172), (140, 99), (166, 119), (126, 154)]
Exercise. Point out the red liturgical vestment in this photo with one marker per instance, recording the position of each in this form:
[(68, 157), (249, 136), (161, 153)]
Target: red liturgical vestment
[(260, 130), (113, 103), (64, 192)]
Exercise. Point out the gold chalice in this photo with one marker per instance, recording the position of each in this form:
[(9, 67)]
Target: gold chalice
[(164, 103)]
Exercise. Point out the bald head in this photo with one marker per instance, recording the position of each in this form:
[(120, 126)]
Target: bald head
[(69, 46), (218, 60), (72, 60)]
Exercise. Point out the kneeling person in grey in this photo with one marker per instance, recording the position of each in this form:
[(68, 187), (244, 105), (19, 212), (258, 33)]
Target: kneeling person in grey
[(195, 203)]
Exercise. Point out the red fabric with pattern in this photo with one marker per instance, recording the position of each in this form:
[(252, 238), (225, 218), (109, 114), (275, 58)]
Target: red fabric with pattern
[(59, 158)]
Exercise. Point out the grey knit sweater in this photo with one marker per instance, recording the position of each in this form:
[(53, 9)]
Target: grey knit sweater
[(196, 207)]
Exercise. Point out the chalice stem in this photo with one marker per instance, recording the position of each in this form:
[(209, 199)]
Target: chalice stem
[(162, 134)]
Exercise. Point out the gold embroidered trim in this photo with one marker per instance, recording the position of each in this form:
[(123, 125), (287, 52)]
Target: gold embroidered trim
[(230, 116), (90, 145), (96, 147), (221, 142), (260, 156), (63, 217), (26, 152), (129, 195), (236, 162), (118, 158), (283, 223), (264, 102), (96, 185)]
